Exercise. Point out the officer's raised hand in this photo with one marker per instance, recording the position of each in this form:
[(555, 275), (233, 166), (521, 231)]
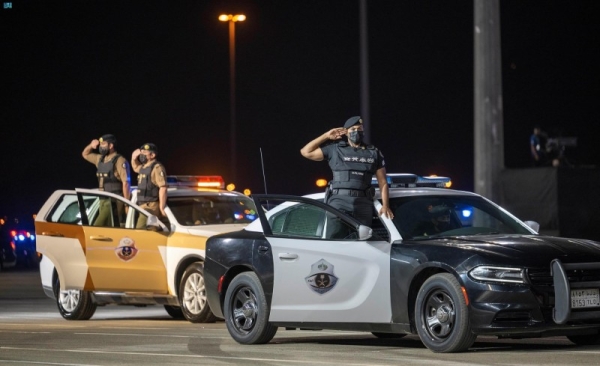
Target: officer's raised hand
[(313, 151), (94, 144), (336, 133)]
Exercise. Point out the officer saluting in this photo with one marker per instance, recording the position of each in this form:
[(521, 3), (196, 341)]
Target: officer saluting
[(353, 164), (152, 182), (113, 175)]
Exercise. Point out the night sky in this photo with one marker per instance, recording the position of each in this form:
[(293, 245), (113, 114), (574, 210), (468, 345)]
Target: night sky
[(158, 71)]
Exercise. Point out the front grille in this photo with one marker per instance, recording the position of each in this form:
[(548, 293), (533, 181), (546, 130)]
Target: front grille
[(542, 278)]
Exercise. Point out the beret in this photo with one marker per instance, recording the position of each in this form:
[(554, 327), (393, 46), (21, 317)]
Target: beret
[(353, 121)]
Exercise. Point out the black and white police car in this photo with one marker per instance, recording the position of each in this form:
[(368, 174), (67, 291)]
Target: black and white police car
[(451, 265)]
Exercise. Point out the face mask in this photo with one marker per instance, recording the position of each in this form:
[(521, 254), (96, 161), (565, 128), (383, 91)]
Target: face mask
[(356, 136), (143, 158), (103, 150)]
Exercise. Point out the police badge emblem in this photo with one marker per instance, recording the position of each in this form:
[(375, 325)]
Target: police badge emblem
[(321, 278), (126, 250)]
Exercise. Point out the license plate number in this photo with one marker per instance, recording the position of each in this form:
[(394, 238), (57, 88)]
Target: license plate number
[(585, 298)]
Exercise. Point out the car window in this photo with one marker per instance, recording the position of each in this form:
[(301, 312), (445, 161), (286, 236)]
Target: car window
[(66, 210), (212, 210), (424, 216), (306, 220)]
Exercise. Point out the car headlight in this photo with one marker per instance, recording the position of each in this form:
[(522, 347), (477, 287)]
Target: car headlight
[(497, 274)]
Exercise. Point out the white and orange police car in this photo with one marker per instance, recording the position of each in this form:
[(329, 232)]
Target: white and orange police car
[(93, 254)]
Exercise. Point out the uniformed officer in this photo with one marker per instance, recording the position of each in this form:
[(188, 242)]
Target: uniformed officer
[(353, 164), (152, 182), (113, 174)]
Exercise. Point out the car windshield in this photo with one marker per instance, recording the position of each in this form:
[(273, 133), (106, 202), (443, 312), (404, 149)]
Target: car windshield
[(212, 210), (423, 217)]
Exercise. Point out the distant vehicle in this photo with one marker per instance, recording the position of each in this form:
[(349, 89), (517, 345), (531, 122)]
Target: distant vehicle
[(8, 256), (85, 265), (451, 265), (17, 243)]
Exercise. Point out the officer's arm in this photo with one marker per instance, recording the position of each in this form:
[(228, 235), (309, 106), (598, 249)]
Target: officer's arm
[(162, 199), (313, 151), (88, 149), (135, 163), (384, 189)]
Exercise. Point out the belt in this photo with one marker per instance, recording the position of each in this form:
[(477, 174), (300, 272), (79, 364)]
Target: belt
[(349, 192)]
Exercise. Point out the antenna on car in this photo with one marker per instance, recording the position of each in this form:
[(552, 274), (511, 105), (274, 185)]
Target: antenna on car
[(263, 169)]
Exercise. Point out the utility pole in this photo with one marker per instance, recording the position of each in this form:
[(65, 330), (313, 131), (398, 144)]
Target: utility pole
[(488, 112), (364, 70)]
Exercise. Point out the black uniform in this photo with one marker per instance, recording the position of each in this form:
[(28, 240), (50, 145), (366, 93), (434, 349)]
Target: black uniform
[(353, 168)]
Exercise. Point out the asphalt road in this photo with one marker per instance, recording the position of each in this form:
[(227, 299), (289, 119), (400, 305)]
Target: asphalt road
[(33, 333)]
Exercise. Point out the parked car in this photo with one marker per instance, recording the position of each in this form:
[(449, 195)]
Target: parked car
[(89, 260), (451, 265)]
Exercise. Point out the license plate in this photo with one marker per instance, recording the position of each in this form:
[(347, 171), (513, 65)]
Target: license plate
[(585, 298)]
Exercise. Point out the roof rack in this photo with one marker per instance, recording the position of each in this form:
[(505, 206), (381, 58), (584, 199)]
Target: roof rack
[(408, 180)]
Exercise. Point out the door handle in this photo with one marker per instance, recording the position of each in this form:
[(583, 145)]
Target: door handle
[(100, 238), (52, 233), (263, 248), (288, 256)]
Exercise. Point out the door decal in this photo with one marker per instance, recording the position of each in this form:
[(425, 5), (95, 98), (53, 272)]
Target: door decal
[(321, 278), (126, 250)]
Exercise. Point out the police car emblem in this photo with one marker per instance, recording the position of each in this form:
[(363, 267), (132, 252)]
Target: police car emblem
[(126, 250), (321, 278)]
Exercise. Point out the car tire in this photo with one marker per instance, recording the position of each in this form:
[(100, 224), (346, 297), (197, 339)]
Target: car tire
[(174, 311), (246, 311), (585, 340), (388, 335), (192, 295), (442, 315), (74, 304)]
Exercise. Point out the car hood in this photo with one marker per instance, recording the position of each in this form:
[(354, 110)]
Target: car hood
[(528, 247)]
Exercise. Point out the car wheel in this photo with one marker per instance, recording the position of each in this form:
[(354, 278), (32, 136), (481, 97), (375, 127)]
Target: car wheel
[(174, 311), (585, 340), (74, 304), (192, 295), (388, 335), (246, 311), (442, 316)]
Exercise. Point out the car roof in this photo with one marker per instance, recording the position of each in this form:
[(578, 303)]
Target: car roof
[(186, 191), (405, 192)]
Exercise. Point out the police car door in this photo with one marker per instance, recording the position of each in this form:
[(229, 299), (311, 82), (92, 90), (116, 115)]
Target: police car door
[(119, 256), (320, 278)]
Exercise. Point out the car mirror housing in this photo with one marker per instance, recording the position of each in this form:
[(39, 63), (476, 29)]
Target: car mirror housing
[(152, 223), (364, 232), (534, 225)]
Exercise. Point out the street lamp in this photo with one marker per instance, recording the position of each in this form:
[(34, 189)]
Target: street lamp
[(232, 19)]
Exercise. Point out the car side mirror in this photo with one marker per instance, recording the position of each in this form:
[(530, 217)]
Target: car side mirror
[(152, 223), (534, 225), (364, 232)]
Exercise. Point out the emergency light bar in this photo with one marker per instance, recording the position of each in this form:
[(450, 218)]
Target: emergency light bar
[(201, 181), (407, 180)]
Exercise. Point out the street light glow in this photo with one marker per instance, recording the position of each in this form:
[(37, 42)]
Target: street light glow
[(232, 18)]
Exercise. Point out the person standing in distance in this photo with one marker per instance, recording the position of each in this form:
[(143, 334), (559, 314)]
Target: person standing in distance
[(353, 163), (113, 173), (152, 182), (537, 146)]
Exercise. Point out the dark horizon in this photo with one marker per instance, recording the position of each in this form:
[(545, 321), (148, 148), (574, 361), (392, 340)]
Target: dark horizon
[(152, 71)]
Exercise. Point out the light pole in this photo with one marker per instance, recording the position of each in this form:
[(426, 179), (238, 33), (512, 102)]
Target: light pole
[(232, 19)]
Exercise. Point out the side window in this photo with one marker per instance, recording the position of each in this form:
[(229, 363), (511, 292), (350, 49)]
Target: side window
[(304, 220), (105, 211), (65, 211), (299, 220)]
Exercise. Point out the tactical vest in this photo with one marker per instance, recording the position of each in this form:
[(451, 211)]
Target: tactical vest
[(106, 176), (353, 168), (147, 191)]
